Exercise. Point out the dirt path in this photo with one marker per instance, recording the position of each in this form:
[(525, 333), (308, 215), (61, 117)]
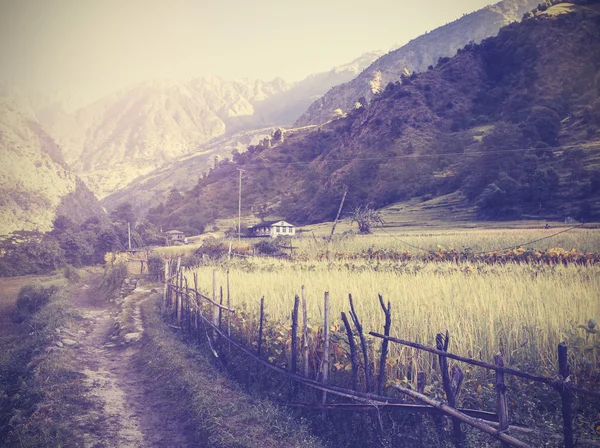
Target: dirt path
[(131, 414)]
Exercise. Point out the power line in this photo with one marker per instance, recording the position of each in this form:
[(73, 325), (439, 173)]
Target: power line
[(493, 250), (425, 156)]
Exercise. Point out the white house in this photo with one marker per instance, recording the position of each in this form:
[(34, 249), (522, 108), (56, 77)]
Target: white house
[(273, 229), (175, 235)]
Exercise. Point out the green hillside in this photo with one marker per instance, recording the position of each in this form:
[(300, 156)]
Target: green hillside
[(510, 124)]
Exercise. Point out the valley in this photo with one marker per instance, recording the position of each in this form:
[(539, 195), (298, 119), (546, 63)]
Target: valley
[(401, 250)]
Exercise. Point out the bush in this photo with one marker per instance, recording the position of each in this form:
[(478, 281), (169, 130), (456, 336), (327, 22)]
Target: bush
[(71, 273), (31, 299), (266, 247)]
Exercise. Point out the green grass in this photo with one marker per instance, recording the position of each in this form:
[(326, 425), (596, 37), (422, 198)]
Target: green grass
[(221, 414)]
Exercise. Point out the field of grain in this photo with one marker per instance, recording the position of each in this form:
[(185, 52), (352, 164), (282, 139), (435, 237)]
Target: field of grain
[(523, 310)]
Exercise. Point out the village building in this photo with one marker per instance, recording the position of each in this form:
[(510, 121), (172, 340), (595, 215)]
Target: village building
[(272, 229), (175, 236)]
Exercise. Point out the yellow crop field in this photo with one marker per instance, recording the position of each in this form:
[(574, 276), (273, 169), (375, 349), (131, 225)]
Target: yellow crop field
[(525, 311)]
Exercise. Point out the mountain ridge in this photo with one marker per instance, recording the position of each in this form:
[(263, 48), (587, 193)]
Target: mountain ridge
[(510, 123), (416, 56), (138, 129)]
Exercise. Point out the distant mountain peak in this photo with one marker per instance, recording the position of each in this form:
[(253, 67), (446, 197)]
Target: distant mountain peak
[(416, 55)]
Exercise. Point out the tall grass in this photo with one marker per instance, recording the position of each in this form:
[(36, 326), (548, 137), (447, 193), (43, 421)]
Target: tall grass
[(523, 310)]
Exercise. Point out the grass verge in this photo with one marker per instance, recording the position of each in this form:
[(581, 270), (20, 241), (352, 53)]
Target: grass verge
[(42, 394), (220, 414)]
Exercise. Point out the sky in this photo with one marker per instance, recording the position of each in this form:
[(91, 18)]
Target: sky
[(99, 46)]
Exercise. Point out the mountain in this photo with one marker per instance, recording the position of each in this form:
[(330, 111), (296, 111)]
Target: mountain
[(35, 182), (509, 125), (417, 55), (137, 130), (182, 174)]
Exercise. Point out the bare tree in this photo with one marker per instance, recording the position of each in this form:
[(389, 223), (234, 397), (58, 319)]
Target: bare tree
[(366, 217)]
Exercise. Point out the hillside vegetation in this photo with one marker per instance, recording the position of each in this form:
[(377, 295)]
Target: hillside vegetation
[(510, 124)]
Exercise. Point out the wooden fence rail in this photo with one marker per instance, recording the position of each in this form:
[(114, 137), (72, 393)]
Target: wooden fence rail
[(186, 306)]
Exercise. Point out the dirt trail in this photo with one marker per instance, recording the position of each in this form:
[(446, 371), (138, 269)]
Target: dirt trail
[(131, 414)]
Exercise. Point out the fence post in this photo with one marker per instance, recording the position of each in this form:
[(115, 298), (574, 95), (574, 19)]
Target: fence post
[(295, 333), (442, 344), (363, 344), (260, 325), (353, 355), (196, 304), (566, 395), (384, 344), (215, 316), (305, 332), (220, 303), (166, 288), (228, 313), (188, 317), (501, 397), (325, 372), (421, 382)]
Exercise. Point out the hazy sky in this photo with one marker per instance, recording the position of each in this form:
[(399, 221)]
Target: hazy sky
[(102, 45)]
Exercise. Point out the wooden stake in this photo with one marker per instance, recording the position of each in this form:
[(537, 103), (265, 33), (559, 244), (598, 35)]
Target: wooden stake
[(421, 382), (353, 353), (325, 370), (229, 306), (220, 303), (295, 333), (501, 397), (566, 395), (215, 316), (363, 344), (304, 332), (442, 344), (260, 325), (384, 344), (166, 280), (196, 304)]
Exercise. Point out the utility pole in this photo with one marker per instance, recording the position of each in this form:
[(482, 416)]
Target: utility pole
[(129, 234), (240, 206), (338, 215)]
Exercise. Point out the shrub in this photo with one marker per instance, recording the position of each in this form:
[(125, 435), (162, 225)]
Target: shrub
[(31, 299), (266, 247)]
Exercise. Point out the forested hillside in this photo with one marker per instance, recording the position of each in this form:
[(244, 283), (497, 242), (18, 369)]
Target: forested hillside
[(511, 124), (417, 55)]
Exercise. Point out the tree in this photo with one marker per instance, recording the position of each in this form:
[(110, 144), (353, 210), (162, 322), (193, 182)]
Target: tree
[(123, 213), (366, 217), (261, 212), (338, 113), (62, 224)]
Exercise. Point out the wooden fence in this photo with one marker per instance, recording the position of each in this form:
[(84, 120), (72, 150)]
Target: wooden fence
[(185, 304)]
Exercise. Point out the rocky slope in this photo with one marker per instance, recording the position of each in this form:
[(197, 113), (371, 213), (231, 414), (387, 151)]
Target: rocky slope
[(182, 173), (511, 124), (35, 182), (133, 132), (416, 56)]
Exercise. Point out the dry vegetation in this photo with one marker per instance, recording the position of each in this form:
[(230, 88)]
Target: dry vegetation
[(523, 309)]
